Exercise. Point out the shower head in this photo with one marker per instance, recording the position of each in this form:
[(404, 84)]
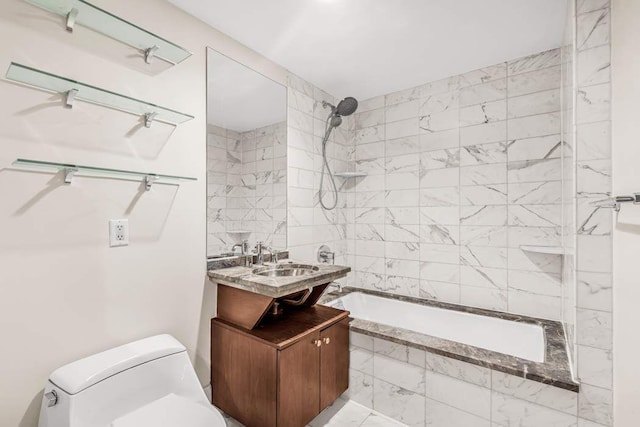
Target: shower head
[(336, 121), (347, 106)]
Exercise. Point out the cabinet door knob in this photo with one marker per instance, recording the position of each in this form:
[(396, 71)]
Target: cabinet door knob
[(317, 343), (327, 340)]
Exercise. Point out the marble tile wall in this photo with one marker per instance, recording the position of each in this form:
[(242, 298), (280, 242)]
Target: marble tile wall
[(247, 186), (424, 389), (461, 173), (309, 225)]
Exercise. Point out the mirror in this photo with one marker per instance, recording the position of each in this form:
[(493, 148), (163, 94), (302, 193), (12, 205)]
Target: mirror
[(246, 157)]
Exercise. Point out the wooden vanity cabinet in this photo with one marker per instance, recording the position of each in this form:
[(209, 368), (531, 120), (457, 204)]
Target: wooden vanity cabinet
[(284, 373)]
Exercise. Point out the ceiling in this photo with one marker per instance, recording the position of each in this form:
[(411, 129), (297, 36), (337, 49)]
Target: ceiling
[(241, 99), (365, 48)]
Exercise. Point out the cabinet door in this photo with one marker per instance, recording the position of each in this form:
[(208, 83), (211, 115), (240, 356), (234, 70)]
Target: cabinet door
[(299, 382), (334, 362)]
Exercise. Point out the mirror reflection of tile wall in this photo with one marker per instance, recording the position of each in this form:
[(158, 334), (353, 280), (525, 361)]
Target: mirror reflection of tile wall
[(246, 166)]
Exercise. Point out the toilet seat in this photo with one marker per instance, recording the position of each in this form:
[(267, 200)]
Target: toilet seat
[(172, 411)]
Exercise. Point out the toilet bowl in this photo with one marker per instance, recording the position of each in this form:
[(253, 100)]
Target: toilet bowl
[(146, 383)]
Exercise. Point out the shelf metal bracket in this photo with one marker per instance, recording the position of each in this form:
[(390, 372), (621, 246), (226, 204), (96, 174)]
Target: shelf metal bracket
[(70, 97), (149, 118), (71, 19), (148, 181), (150, 53), (68, 174)]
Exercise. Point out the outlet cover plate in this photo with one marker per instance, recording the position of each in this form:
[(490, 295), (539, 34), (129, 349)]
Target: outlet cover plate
[(118, 232)]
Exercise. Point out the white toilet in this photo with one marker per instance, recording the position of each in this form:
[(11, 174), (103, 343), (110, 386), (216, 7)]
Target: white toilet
[(147, 383)]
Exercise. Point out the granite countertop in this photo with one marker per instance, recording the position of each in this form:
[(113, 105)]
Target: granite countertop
[(242, 277), (555, 370)]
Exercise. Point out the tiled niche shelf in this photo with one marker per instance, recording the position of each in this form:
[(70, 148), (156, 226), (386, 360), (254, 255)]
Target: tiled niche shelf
[(74, 90), (554, 250), (84, 13), (71, 170)]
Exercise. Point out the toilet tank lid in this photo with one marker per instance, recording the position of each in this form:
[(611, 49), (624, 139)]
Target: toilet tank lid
[(81, 374)]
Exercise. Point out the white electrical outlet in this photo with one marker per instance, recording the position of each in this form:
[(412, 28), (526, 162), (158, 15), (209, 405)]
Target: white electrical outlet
[(118, 232)]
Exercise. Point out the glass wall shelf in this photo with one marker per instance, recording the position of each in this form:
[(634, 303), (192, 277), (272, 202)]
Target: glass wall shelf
[(71, 170), (83, 13), (75, 90)]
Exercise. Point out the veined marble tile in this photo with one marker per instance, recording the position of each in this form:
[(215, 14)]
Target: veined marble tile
[(439, 103), (401, 374), (439, 272), (439, 140), (369, 118), (402, 111), (401, 353), (370, 199), (431, 252), (536, 148), (440, 234), (371, 104), (594, 291), (537, 236), (440, 215), (404, 163), (438, 159), (534, 170), (594, 328), (483, 256), (402, 96), (532, 126), (369, 232), (474, 374), (438, 122), (379, 420), (586, 423), (547, 101), (595, 366), (593, 29), (483, 277), (400, 198), (483, 154), (483, 215), (532, 261), (371, 166), (341, 413), (439, 415), (484, 75), (594, 66), (402, 181), (594, 178), (402, 128), (535, 282), (459, 394), (300, 101), (402, 146), (593, 103), (448, 84), (371, 183), (584, 6), (596, 404), (483, 113), (403, 268), (296, 83), (534, 62), (535, 215), (360, 388), (483, 174), (595, 254), (510, 411), (494, 236), (403, 215), (483, 133), (535, 192), (398, 403), (445, 196), (484, 92), (440, 291), (406, 233), (437, 178), (488, 298), (370, 134), (370, 280), (299, 120), (593, 220), (369, 264), (360, 340), (490, 194), (535, 305), (534, 81), (361, 360), (594, 141)]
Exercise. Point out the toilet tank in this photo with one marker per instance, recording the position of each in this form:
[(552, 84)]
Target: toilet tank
[(94, 391)]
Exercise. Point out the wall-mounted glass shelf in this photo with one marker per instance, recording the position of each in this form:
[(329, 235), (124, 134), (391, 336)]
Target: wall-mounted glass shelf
[(75, 90), (83, 13), (71, 170), (350, 174), (552, 250)]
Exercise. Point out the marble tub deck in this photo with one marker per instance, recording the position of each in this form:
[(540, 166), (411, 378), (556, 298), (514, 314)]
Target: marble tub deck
[(555, 370)]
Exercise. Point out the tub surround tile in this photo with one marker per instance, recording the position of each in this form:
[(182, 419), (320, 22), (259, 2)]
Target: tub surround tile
[(555, 371), (398, 403)]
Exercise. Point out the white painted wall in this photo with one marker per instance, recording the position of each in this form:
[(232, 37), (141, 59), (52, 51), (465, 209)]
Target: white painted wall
[(626, 179), (64, 294)]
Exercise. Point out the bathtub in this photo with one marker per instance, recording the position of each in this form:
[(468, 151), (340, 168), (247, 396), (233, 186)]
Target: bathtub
[(522, 340)]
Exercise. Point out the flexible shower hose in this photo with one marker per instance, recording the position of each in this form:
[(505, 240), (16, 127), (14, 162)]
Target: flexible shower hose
[(325, 165)]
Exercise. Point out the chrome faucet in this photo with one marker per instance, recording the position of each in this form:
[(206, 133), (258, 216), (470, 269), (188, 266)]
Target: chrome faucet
[(244, 247), (259, 250), (275, 254)]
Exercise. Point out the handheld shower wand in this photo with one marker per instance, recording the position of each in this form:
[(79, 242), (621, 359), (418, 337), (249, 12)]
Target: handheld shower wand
[(345, 107)]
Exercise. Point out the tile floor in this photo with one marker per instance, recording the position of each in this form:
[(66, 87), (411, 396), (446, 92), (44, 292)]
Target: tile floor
[(343, 413)]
